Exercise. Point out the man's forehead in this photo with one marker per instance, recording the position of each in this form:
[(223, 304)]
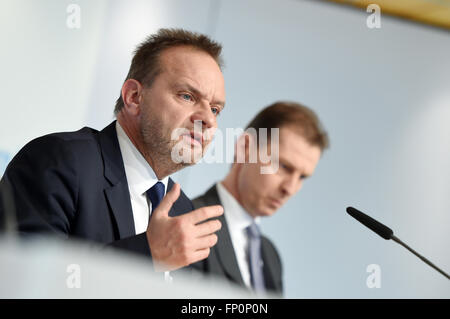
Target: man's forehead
[(182, 57), (294, 148), (194, 68)]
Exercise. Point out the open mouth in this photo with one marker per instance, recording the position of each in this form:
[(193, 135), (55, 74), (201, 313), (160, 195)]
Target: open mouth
[(194, 138)]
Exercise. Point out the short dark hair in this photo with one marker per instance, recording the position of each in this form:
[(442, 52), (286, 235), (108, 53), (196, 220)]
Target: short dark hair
[(145, 64), (296, 116)]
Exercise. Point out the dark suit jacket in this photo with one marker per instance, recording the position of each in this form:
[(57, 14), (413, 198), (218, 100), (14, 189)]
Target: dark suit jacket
[(74, 184), (222, 260)]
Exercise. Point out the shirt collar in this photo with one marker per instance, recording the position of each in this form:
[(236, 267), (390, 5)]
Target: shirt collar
[(236, 216), (140, 175)]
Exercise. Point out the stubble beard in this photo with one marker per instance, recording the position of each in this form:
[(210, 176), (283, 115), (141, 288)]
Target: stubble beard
[(158, 146)]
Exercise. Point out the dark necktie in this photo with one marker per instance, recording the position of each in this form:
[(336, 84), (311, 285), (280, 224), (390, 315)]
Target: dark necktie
[(255, 260), (156, 194)]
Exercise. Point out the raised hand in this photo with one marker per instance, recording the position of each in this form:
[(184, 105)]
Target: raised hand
[(179, 241)]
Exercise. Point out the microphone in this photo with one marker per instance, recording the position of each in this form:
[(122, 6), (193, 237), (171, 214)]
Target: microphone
[(387, 234)]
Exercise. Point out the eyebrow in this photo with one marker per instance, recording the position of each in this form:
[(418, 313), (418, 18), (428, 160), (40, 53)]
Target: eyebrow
[(291, 166), (198, 93)]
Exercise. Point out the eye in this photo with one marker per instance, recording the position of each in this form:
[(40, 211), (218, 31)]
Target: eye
[(186, 96), (302, 177), (215, 110)]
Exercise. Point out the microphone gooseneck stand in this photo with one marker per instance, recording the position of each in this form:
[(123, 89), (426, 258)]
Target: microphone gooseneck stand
[(387, 234)]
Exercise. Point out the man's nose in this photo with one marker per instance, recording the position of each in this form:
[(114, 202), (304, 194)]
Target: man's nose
[(291, 184), (205, 115)]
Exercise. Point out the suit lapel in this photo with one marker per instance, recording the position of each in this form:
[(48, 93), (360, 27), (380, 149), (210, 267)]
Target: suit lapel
[(225, 252), (120, 204), (182, 205), (224, 247), (117, 195)]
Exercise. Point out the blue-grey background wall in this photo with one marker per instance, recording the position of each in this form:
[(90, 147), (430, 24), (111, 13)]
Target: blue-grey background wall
[(383, 95)]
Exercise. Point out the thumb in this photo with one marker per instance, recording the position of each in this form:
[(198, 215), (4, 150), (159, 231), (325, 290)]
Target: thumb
[(167, 202)]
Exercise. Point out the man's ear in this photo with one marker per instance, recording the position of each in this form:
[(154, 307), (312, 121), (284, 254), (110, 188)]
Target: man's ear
[(132, 96)]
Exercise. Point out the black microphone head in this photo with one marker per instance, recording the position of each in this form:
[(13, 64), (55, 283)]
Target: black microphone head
[(371, 223)]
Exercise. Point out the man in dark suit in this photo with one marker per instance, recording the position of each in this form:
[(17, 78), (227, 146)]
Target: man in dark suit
[(103, 186), (258, 188)]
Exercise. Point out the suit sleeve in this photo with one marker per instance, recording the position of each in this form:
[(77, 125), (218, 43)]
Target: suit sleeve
[(42, 184)]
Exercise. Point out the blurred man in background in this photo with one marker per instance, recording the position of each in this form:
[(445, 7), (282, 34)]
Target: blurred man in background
[(258, 189)]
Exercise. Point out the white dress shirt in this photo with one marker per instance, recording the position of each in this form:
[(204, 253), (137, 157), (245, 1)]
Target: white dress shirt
[(140, 178), (237, 220)]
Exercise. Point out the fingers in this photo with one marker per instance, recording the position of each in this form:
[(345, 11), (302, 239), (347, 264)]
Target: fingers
[(208, 227), (179, 241), (205, 242), (168, 200), (200, 254), (208, 241), (199, 215)]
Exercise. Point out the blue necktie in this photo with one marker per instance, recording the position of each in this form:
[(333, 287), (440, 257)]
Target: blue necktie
[(255, 260), (156, 194)]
